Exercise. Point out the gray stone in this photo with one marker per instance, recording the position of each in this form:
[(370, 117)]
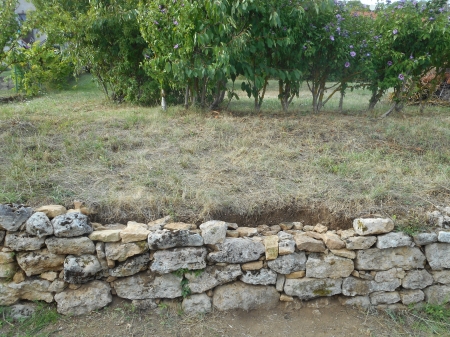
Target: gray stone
[(437, 294), (22, 311), (7, 257), (212, 277), (196, 304), (2, 236), (381, 297), (31, 289), (148, 285), (238, 250), (444, 237), (352, 286), (333, 241), (159, 223), (280, 282), (163, 239), (147, 304), (166, 261), (360, 242), (7, 270), (423, 239), (70, 225), (417, 279), (243, 296), (70, 246), (287, 264), (12, 216), (411, 296), (263, 276), (117, 251), (372, 226), (131, 266), (101, 256), (91, 296), (214, 232), (357, 301), (283, 236), (441, 276), (39, 261), (286, 247), (20, 241), (39, 225), (437, 255), (307, 288), (307, 243), (57, 286), (384, 259), (390, 275), (328, 266), (393, 240), (81, 269)]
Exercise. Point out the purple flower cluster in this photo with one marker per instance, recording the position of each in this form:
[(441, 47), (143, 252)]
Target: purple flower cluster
[(331, 37), (352, 54), (347, 64), (389, 63), (176, 46), (401, 77), (395, 31)]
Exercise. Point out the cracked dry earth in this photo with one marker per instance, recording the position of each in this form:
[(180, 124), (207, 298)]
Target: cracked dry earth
[(319, 318)]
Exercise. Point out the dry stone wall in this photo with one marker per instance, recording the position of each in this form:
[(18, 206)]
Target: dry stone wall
[(51, 254)]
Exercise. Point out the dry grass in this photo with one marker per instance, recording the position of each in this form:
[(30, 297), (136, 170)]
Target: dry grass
[(142, 163)]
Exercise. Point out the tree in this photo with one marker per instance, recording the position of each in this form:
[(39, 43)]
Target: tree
[(9, 28)]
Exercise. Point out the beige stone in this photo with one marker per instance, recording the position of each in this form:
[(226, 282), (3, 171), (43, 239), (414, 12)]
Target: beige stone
[(296, 274), (372, 226), (19, 276), (77, 204), (158, 224), (247, 231), (73, 211), (111, 263), (52, 211), (7, 257), (286, 225), (210, 293), (232, 234), (111, 279), (286, 298), (349, 254), (298, 226), (176, 226), (269, 233), (49, 276), (355, 273), (319, 228), (348, 233), (257, 265), (134, 232), (108, 235), (333, 241), (314, 235), (308, 244), (271, 246), (275, 228), (87, 211), (74, 286)]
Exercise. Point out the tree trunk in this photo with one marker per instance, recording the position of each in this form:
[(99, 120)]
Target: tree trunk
[(341, 101), (186, 97), (375, 98)]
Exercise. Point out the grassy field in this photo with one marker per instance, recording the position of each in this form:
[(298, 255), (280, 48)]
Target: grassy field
[(130, 162)]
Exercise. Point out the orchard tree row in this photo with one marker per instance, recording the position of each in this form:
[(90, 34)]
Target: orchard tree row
[(198, 52)]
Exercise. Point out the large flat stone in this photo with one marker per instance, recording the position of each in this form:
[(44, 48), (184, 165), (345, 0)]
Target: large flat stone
[(52, 211), (328, 266), (441, 276), (131, 266), (308, 288), (39, 261), (117, 251), (107, 235), (7, 270), (392, 240), (70, 225), (438, 255), (163, 239), (411, 296), (372, 226), (333, 241), (423, 239), (437, 294), (381, 297), (384, 259), (360, 242), (243, 296), (237, 250), (166, 261), (12, 216), (89, 297), (212, 277), (148, 285), (196, 304), (417, 279), (31, 289), (70, 246), (287, 264), (263, 276), (134, 232), (309, 244), (20, 241), (352, 286)]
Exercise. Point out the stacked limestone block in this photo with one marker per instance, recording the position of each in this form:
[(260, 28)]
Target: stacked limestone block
[(56, 255)]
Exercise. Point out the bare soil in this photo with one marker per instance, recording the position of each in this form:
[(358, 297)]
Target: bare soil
[(318, 318)]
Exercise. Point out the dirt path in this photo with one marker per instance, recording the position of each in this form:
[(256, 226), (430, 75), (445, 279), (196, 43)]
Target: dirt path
[(310, 319)]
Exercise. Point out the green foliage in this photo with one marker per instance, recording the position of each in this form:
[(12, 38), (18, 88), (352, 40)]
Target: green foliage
[(40, 68), (9, 28), (185, 289)]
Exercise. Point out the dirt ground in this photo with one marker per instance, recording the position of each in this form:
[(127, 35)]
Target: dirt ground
[(319, 318)]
